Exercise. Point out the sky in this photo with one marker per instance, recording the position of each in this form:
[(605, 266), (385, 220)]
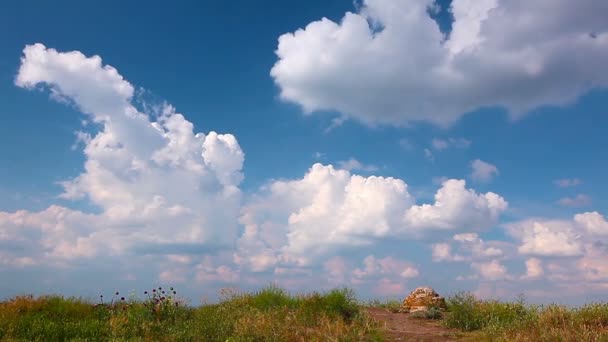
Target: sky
[(380, 145)]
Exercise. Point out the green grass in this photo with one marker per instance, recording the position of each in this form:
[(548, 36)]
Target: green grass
[(518, 321), (270, 314)]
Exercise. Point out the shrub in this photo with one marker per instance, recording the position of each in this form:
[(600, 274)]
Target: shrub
[(431, 313)]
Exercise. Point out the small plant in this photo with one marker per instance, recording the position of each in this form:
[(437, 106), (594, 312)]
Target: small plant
[(430, 313), (162, 304)]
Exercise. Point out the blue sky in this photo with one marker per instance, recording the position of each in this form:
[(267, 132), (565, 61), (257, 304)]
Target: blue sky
[(104, 183)]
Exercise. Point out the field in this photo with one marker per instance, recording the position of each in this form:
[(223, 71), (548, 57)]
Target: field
[(272, 314)]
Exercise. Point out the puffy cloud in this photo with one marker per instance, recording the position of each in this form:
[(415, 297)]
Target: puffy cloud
[(160, 187), (388, 266), (567, 182), (328, 207), (353, 164), (492, 270), (580, 243), (534, 269), (51, 236), (544, 239), (470, 247), (443, 252), (456, 207), (580, 200), (498, 53), (329, 210), (482, 171), (547, 238), (592, 222)]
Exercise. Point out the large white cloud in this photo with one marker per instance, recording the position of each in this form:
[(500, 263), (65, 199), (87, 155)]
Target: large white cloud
[(330, 210), (160, 187), (567, 238), (390, 64), (457, 207)]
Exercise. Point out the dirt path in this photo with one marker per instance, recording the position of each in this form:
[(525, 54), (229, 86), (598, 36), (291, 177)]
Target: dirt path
[(403, 327)]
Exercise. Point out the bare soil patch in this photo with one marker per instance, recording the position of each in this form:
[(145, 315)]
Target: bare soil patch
[(404, 327)]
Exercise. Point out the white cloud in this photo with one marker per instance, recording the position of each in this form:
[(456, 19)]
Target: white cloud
[(353, 164), (443, 252), (593, 222), (328, 207), (492, 270), (329, 210), (580, 200), (469, 247), (499, 53), (579, 242), (567, 182), (385, 267), (160, 187), (534, 269), (457, 207), (483, 171), (547, 238)]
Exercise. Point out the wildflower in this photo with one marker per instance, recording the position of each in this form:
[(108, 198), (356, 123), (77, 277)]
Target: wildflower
[(160, 288), (145, 292), (171, 288), (122, 298), (174, 292), (117, 293), (154, 290)]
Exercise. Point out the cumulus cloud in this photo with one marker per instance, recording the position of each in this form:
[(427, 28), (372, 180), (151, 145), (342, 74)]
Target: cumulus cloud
[(534, 269), (498, 53), (160, 187), (482, 171), (580, 200), (547, 237), (388, 266), (580, 244), (330, 210), (550, 239), (593, 222), (469, 246), (456, 207), (492, 270)]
